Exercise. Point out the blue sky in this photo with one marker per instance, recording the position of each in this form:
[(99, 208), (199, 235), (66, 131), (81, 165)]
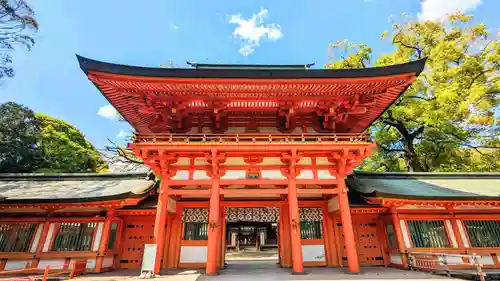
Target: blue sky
[(155, 32)]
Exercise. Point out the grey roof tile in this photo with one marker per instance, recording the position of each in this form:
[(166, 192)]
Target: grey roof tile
[(72, 186), (431, 185)]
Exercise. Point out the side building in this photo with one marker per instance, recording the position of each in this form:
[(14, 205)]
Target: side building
[(107, 218)]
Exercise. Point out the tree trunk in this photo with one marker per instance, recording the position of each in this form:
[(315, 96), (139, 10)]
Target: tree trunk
[(410, 157)]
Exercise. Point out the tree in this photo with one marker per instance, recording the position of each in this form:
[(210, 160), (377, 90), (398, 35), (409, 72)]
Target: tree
[(65, 148), (16, 23), (32, 142), (122, 156), (446, 119), (19, 133)]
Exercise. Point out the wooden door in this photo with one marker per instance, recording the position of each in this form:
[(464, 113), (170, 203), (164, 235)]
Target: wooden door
[(138, 230), (369, 248)]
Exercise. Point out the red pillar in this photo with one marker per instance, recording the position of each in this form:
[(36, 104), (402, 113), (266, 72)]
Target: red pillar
[(345, 216), (103, 246), (293, 207), (214, 219), (399, 238), (160, 220)]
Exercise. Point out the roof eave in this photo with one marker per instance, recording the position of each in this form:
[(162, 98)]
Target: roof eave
[(88, 65)]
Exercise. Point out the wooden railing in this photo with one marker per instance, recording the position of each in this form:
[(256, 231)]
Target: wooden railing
[(439, 263), (249, 138), (76, 268)]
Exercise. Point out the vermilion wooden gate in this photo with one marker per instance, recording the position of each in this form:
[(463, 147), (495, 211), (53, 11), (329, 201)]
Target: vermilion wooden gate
[(138, 230), (367, 238)]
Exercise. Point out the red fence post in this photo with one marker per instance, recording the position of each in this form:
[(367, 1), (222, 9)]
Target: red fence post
[(46, 272)]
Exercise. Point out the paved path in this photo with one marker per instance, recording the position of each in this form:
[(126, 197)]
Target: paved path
[(264, 271)]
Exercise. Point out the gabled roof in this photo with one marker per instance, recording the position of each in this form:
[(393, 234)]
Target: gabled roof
[(274, 72), (72, 188), (427, 186), (161, 100)]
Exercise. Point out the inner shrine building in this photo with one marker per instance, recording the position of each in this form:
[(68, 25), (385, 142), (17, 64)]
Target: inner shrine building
[(248, 158)]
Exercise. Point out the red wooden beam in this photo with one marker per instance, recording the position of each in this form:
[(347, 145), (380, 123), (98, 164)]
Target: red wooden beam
[(189, 192), (258, 191)]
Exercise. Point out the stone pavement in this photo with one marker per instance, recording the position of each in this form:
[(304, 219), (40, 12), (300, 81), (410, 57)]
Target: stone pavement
[(264, 271)]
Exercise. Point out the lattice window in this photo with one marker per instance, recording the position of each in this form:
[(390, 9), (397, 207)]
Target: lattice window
[(112, 235), (428, 234), (74, 237), (195, 215), (483, 233), (16, 237), (310, 230), (391, 235), (196, 231)]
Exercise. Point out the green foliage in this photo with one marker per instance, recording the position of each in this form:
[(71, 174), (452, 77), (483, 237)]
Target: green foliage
[(65, 148), (446, 120), (17, 22), (32, 142), (19, 132)]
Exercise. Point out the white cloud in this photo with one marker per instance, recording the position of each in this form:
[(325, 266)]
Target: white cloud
[(251, 31), (438, 9), (123, 134), (173, 27), (108, 112)]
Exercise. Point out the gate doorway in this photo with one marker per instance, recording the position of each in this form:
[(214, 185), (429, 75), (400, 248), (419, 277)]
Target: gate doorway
[(252, 234)]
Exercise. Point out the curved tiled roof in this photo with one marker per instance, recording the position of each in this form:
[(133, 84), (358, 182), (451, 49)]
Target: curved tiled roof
[(52, 188), (432, 186), (87, 65)]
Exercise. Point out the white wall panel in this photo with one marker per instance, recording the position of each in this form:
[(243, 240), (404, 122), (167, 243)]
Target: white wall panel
[(46, 245), (193, 254), (54, 263), (97, 238), (313, 253), (13, 265), (36, 239)]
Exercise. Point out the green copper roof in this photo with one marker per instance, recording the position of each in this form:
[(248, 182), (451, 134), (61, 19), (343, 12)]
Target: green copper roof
[(468, 186)]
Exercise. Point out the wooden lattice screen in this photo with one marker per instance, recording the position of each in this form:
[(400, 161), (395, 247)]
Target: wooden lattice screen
[(16, 237), (428, 234), (74, 237), (483, 233)]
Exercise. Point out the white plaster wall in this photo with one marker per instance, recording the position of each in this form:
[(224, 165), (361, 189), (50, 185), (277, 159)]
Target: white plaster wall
[(182, 161), (451, 260), (325, 174), (107, 262), (272, 174), (97, 238), (234, 175), (193, 254), (271, 161), (91, 264), (235, 161), (451, 234), (200, 175), (36, 239), (463, 236), (486, 260), (54, 263), (181, 175), (313, 253), (49, 237), (305, 161), (13, 265), (305, 174), (395, 259), (322, 161), (406, 236), (200, 161)]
